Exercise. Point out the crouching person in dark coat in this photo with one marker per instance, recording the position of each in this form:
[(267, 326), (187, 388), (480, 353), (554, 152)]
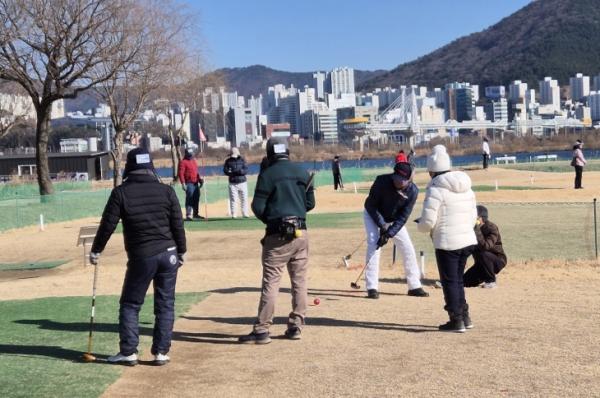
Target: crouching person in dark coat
[(282, 197), (155, 245), (488, 254)]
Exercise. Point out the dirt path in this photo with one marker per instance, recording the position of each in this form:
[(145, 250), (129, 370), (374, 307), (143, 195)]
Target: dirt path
[(534, 336)]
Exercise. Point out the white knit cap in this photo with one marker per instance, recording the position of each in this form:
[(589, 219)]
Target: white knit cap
[(438, 160)]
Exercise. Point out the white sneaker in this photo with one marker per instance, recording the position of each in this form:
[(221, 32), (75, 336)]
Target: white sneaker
[(120, 359), (161, 359), (489, 285)]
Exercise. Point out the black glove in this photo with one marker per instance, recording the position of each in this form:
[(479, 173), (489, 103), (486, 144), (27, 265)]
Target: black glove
[(180, 258), (200, 182), (383, 237)]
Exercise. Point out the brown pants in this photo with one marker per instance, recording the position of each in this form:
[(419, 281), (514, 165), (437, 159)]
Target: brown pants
[(277, 254)]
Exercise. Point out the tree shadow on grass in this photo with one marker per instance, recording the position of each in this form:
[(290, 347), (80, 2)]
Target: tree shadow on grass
[(322, 321)]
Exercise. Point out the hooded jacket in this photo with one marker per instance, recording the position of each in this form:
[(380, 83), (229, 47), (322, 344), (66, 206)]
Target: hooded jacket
[(449, 211)]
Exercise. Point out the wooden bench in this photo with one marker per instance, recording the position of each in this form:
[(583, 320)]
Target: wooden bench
[(86, 237), (506, 159)]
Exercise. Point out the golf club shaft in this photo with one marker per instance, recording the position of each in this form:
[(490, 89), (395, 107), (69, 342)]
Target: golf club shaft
[(93, 308), (365, 267)]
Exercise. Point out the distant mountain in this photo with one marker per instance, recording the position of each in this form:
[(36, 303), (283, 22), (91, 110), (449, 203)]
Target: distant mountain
[(555, 38), (256, 79)]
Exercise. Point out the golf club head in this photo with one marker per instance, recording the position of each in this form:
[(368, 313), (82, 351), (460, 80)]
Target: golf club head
[(87, 357), (354, 285), (345, 261)]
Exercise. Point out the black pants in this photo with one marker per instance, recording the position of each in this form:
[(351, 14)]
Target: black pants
[(485, 160), (162, 270), (578, 175), (337, 181), (451, 266), (487, 266)]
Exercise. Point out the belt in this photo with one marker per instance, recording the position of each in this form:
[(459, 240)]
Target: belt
[(273, 225)]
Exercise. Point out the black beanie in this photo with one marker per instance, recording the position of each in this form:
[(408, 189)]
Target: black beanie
[(277, 147), (138, 159), (482, 212)]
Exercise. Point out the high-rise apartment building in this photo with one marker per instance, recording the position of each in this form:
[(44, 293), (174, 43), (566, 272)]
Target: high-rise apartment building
[(596, 83), (516, 91), (319, 84), (497, 110), (341, 81), (495, 92), (580, 87), (550, 93), (459, 102), (594, 104)]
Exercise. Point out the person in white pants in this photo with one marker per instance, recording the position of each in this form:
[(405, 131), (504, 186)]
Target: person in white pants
[(387, 208), (235, 168)]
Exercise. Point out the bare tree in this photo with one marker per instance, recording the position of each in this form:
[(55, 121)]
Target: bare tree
[(159, 27), (15, 109), (57, 48)]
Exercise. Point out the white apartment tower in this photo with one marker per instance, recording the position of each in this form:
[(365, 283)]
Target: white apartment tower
[(341, 81), (580, 87), (594, 104), (550, 93), (319, 84), (516, 91)]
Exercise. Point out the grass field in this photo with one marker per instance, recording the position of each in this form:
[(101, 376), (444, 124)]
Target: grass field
[(31, 265), (41, 342)]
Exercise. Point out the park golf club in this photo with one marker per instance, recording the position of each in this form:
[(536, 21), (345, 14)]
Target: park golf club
[(349, 256), (355, 285), (88, 356)]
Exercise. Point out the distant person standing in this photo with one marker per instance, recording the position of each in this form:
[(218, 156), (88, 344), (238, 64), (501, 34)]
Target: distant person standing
[(411, 157), (578, 162), (155, 244), (401, 157), (235, 168), (337, 173), (485, 149), (191, 182), (448, 215)]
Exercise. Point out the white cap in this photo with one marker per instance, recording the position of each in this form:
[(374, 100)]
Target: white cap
[(438, 160)]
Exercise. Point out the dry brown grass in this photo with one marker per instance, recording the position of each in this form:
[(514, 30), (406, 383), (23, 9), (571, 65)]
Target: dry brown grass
[(535, 335)]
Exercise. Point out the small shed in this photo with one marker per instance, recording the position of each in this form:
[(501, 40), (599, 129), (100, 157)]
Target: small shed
[(80, 165)]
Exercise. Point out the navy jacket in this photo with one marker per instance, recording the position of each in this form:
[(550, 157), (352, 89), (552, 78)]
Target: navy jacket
[(385, 205), (151, 214), (235, 169)]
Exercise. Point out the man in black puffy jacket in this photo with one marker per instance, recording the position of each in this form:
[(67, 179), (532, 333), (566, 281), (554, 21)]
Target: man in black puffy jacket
[(155, 244), (235, 168)]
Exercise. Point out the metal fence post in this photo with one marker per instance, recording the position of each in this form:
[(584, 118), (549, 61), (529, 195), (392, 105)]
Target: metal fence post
[(595, 230)]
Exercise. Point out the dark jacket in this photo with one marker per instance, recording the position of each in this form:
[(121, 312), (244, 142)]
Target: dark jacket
[(488, 239), (385, 205), (335, 166), (235, 169), (151, 216), (281, 192)]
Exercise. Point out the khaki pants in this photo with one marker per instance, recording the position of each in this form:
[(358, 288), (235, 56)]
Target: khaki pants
[(276, 255)]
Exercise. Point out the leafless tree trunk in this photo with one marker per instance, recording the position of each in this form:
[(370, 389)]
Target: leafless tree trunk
[(57, 48)]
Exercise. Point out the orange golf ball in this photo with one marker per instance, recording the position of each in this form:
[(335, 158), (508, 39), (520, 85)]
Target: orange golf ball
[(317, 301)]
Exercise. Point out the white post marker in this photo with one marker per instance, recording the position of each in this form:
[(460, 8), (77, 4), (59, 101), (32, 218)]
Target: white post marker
[(496, 185), (355, 190), (41, 222), (422, 264), (531, 179)]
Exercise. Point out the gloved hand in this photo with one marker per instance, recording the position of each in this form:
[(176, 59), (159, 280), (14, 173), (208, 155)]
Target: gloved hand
[(94, 258), (383, 237), (183, 187), (200, 182), (181, 257)]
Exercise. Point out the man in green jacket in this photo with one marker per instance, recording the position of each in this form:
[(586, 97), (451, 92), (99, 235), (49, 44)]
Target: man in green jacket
[(282, 197)]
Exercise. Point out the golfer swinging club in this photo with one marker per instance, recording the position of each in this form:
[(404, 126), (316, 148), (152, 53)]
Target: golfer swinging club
[(387, 208), (155, 244)]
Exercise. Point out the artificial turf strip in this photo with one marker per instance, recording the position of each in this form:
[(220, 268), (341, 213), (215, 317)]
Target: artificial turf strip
[(31, 266), (41, 342)]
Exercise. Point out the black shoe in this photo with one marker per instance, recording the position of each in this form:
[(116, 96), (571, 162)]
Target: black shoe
[(467, 321), (418, 292), (189, 219), (456, 325), (198, 216), (255, 338), (372, 294), (293, 333)]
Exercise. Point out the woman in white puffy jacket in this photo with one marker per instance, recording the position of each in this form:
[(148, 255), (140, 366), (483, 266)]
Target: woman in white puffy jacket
[(449, 215)]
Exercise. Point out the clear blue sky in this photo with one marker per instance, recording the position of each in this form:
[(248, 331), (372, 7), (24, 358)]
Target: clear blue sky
[(307, 35)]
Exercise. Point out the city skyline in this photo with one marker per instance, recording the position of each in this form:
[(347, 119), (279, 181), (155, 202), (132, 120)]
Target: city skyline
[(313, 35)]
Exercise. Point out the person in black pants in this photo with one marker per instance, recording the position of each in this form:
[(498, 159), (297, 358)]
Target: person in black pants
[(337, 174), (155, 245), (488, 254), (578, 162)]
